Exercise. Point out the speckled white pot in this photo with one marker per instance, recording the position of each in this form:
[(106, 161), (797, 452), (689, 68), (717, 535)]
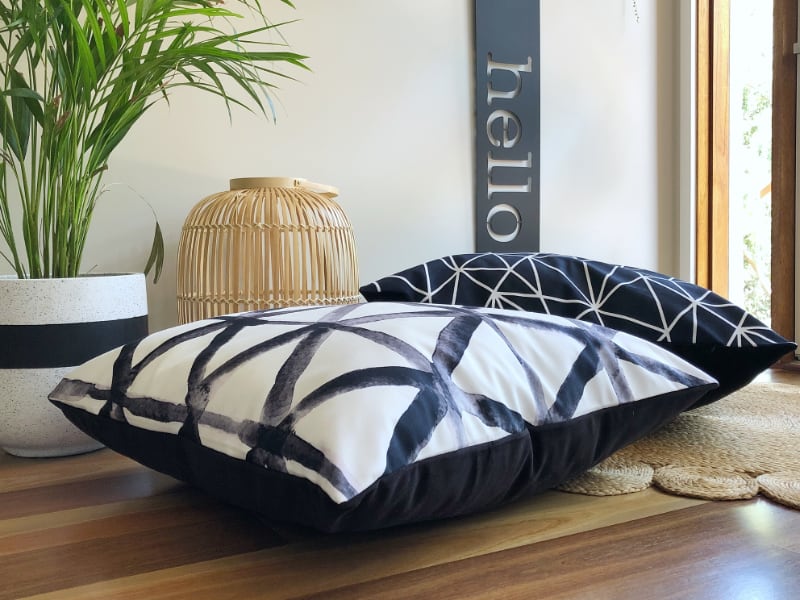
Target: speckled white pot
[(110, 306)]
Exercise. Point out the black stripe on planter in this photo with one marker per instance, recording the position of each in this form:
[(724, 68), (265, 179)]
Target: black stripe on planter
[(64, 344)]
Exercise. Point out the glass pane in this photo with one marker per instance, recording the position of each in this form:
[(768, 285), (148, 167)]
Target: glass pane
[(751, 154)]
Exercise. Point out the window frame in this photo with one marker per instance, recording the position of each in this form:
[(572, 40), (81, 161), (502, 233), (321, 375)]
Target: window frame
[(712, 155)]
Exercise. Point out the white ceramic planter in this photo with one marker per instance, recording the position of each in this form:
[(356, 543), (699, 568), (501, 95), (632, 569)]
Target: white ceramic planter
[(47, 327)]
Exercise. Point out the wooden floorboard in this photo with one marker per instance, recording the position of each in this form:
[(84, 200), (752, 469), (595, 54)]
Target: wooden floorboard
[(101, 526), (690, 553)]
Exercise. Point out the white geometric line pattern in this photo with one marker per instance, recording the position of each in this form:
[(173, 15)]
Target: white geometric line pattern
[(667, 309)]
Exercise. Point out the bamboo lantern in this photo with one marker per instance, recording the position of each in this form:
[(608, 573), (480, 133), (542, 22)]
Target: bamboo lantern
[(269, 242)]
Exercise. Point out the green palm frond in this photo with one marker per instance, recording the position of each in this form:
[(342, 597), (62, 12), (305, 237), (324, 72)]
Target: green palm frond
[(77, 75)]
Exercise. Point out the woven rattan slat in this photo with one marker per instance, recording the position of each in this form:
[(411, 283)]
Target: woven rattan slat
[(265, 243)]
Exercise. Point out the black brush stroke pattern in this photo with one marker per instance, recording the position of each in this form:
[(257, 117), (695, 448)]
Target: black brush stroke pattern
[(437, 399)]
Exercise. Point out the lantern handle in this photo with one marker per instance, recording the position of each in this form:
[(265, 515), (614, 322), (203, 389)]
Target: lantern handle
[(322, 189)]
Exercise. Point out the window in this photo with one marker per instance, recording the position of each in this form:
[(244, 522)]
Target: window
[(713, 99)]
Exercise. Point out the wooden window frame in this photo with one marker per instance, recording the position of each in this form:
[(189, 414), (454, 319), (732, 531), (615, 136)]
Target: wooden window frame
[(713, 144), (784, 166), (713, 102)]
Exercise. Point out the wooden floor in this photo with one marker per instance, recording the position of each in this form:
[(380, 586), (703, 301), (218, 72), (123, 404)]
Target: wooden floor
[(101, 526)]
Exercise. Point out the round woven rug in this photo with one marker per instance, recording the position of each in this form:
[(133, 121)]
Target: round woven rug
[(745, 444)]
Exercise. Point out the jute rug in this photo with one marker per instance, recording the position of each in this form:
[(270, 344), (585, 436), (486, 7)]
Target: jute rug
[(745, 444)]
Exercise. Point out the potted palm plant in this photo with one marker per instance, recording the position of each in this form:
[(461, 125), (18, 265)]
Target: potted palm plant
[(75, 76)]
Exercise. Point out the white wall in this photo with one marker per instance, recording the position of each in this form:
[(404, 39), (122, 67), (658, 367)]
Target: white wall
[(609, 131), (386, 115)]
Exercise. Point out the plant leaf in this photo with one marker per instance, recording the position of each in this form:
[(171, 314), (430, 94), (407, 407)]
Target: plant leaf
[(8, 130), (22, 97), (156, 258)]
